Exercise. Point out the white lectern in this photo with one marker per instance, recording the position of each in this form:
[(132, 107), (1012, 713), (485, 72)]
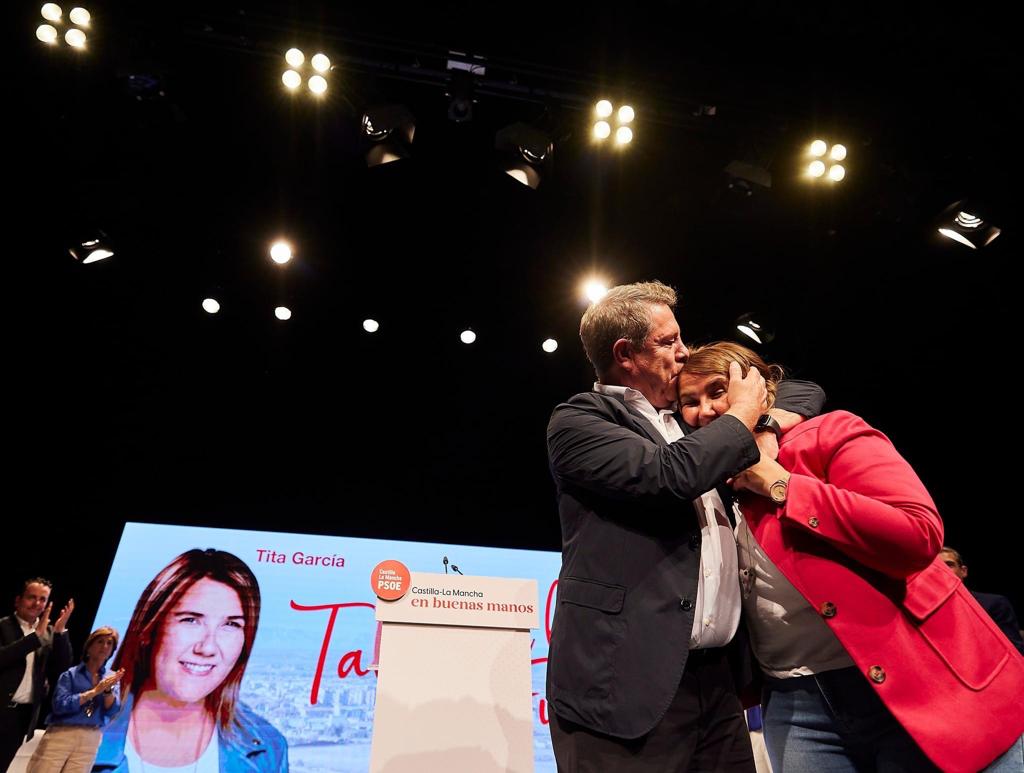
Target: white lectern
[(454, 689)]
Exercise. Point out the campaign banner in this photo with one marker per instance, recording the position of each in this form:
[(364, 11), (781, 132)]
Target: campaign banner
[(309, 682)]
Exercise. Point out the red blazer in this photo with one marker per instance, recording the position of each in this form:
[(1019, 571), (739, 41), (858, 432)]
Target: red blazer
[(859, 537)]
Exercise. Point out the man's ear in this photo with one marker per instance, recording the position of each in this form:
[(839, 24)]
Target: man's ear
[(622, 353)]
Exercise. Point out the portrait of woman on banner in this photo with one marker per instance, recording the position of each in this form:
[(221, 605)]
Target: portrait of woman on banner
[(184, 656)]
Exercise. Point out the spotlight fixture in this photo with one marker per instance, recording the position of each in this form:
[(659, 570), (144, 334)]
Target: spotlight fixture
[(526, 153), (460, 96), (820, 152), (210, 305), (71, 31), (624, 118), (744, 178), (283, 313), (965, 222), (92, 249), (549, 345), (297, 71), (388, 130), (371, 325), (467, 336), (754, 327)]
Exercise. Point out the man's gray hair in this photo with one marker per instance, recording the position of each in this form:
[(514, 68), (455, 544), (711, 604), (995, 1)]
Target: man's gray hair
[(625, 312)]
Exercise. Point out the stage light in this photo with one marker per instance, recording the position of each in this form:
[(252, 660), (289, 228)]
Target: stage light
[(92, 249), (549, 345), (594, 290), (283, 313), (387, 134), (819, 150), (80, 16), (467, 336), (51, 12), (320, 63), (280, 252), (46, 33), (964, 222), (745, 178), (371, 325), (526, 153), (210, 306), (317, 84), (75, 38), (297, 71), (755, 327), (602, 128)]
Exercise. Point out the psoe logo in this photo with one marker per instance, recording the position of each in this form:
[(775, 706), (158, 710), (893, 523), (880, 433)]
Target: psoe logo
[(390, 580)]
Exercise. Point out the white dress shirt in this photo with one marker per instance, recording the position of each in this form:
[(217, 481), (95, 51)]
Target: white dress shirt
[(718, 603)]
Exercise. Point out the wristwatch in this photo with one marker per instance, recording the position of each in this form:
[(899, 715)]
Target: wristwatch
[(765, 423), (777, 491)]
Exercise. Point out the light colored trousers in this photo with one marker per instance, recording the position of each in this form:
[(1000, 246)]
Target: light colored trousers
[(66, 749)]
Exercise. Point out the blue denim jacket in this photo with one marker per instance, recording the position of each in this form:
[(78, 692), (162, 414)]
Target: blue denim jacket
[(255, 746), (69, 710)]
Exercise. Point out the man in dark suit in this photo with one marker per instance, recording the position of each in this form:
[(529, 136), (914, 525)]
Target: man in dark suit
[(648, 595), (30, 651), (998, 607)]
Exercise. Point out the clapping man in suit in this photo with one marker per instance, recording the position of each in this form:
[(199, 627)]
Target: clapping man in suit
[(31, 650)]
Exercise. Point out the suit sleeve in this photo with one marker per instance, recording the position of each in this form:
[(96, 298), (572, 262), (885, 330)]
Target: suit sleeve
[(869, 504), (803, 397), (60, 656), (18, 649), (590, 451), (1002, 612)]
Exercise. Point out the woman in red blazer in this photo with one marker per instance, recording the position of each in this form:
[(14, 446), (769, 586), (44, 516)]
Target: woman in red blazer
[(873, 651)]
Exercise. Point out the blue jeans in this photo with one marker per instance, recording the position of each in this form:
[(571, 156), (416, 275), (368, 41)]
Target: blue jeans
[(834, 722)]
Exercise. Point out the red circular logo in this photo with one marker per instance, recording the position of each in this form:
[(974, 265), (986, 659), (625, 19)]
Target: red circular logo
[(390, 580)]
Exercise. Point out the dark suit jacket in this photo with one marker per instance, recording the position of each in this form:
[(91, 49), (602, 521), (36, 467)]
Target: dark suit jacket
[(1001, 611), (51, 660), (631, 552)]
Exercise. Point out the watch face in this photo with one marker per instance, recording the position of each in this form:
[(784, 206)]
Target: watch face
[(778, 491)]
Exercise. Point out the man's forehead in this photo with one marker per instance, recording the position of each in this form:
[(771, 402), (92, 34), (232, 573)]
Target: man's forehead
[(36, 589)]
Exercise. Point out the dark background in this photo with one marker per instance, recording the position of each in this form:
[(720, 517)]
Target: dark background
[(174, 135)]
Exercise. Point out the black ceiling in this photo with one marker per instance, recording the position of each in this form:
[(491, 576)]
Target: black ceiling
[(174, 136)]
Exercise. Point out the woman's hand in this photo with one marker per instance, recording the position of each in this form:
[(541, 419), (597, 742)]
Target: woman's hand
[(759, 478)]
